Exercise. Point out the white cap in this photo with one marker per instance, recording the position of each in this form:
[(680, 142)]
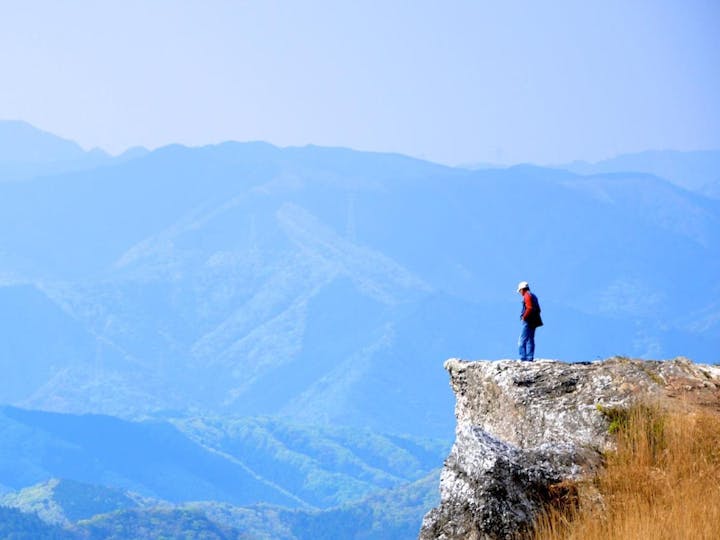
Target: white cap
[(523, 285)]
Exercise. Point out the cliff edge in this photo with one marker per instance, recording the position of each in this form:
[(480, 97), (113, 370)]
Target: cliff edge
[(526, 431)]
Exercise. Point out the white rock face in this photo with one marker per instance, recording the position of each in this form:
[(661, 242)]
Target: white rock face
[(524, 428)]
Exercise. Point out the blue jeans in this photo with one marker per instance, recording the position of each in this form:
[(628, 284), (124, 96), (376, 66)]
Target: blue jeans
[(526, 343)]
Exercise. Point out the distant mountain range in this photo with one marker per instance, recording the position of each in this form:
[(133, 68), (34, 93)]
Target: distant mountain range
[(235, 460), (327, 285), (695, 171), (227, 294), (66, 509), (27, 152), (91, 476)]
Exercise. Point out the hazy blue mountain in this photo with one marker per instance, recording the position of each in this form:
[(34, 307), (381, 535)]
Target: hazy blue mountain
[(27, 152), (153, 524), (697, 171), (138, 524), (91, 511), (327, 286), (22, 143), (392, 515), (73, 510), (236, 460), (151, 458), (63, 502), (322, 466), (42, 343), (362, 483), (17, 525)]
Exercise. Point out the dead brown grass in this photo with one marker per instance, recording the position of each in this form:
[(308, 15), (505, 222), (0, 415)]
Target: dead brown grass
[(663, 482)]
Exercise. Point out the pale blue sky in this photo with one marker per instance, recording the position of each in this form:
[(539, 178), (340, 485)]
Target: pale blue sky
[(450, 81)]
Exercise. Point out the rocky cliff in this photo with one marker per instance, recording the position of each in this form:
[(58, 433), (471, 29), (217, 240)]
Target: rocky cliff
[(527, 431)]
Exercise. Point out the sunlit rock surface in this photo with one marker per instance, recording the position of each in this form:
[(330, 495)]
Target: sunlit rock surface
[(524, 429)]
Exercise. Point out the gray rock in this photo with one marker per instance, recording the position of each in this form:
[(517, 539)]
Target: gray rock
[(527, 431)]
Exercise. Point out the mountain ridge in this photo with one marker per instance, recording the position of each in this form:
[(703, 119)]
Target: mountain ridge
[(693, 170), (234, 278), (242, 461)]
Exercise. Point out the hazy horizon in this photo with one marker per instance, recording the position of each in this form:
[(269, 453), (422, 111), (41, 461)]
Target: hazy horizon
[(483, 164), (459, 83)]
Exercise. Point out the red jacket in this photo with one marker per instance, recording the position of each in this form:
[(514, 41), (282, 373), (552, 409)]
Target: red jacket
[(531, 309)]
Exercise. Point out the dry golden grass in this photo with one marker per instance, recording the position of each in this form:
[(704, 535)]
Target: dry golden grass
[(663, 482)]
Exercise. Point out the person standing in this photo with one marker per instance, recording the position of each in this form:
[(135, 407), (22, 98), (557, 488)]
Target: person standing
[(530, 317)]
